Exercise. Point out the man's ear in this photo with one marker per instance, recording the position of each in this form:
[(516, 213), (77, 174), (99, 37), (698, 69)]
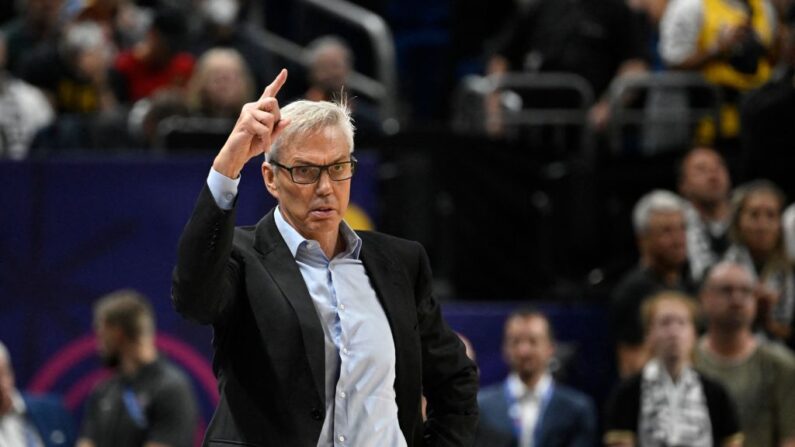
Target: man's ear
[(269, 177)]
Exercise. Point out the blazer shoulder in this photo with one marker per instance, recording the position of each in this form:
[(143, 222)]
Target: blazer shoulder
[(395, 242), (574, 399)]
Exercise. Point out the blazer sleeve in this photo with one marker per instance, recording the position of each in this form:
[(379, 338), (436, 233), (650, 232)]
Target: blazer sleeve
[(206, 276), (449, 377), (586, 434), (621, 415)]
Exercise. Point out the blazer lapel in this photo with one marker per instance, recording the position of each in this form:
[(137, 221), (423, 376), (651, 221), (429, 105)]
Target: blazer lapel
[(280, 264)]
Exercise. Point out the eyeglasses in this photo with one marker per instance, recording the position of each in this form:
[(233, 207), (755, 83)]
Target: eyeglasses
[(308, 174), (729, 290)]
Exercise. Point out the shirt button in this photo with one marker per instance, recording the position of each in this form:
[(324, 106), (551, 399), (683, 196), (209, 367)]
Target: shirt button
[(342, 394), (344, 350), (341, 438), (342, 307)]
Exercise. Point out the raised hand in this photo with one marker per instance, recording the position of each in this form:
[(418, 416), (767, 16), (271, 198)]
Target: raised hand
[(257, 126)]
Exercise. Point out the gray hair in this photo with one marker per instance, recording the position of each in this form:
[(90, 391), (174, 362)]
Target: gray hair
[(308, 117), (82, 36), (4, 355), (725, 264), (657, 201)]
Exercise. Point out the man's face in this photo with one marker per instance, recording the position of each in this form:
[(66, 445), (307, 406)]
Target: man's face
[(330, 70), (527, 347), (109, 341), (671, 331), (705, 179), (760, 222), (727, 298), (6, 385), (664, 242), (316, 209)]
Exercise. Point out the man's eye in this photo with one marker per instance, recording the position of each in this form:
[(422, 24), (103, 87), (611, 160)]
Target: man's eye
[(339, 167), (304, 170)]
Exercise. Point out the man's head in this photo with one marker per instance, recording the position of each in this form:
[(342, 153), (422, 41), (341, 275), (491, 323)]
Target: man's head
[(319, 134), (670, 321), (756, 219), (704, 178), (727, 297), (528, 344), (123, 320), (330, 62), (659, 223), (6, 380)]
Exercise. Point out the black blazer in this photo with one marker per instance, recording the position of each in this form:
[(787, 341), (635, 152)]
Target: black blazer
[(268, 340)]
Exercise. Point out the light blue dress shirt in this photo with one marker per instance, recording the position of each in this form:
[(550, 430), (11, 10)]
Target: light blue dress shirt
[(359, 350)]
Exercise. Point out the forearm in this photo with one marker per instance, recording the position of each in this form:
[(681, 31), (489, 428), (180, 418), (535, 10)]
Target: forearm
[(204, 277)]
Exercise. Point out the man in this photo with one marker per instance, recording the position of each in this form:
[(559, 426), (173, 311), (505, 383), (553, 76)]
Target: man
[(529, 406), (148, 401), (598, 40), (728, 41), (323, 336), (659, 223), (760, 377), (330, 66), (704, 182), (25, 420), (669, 403)]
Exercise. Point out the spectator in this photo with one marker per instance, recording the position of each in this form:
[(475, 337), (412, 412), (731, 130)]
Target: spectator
[(37, 25), (703, 180), (759, 376), (728, 41), (156, 62), (75, 72), (330, 66), (758, 244), (659, 222), (220, 27), (597, 39), (220, 85), (529, 406), (27, 420), (24, 110), (669, 403), (148, 401)]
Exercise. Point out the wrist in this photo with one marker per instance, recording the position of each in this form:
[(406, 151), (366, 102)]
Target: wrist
[(227, 167)]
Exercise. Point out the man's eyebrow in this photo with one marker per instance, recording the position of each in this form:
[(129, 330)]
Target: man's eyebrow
[(304, 162)]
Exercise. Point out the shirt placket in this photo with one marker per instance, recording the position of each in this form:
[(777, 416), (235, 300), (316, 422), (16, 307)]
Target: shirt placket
[(342, 341)]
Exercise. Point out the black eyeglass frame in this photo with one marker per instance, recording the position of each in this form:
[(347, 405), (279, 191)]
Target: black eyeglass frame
[(353, 161)]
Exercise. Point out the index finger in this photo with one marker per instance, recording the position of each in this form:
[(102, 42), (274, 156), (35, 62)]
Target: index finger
[(273, 88)]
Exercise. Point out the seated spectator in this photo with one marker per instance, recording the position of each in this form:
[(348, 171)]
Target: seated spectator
[(37, 25), (669, 403), (728, 41), (148, 401), (659, 222), (704, 183), (530, 407), (24, 110), (759, 376), (74, 73), (156, 62), (27, 420), (758, 244), (599, 40), (220, 27), (220, 85), (330, 66)]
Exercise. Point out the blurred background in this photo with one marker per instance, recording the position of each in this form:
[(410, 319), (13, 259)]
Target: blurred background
[(511, 138)]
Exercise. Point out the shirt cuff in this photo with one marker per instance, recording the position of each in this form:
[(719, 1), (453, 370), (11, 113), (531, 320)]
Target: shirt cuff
[(223, 189)]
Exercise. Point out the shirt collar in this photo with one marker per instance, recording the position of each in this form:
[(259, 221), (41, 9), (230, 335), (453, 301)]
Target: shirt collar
[(519, 390), (654, 371), (294, 240), (17, 403)]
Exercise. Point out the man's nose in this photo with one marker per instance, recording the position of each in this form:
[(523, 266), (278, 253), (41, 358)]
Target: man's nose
[(324, 183)]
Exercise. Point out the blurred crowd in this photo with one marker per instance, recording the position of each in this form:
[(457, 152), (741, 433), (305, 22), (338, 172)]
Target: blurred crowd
[(108, 74)]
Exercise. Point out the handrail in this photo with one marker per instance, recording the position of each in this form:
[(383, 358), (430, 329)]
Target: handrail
[(475, 89), (623, 88)]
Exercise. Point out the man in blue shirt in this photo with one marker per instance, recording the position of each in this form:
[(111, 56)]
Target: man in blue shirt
[(323, 336), (529, 406)]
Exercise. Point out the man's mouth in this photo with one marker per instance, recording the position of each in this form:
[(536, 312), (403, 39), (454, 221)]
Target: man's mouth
[(322, 211)]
